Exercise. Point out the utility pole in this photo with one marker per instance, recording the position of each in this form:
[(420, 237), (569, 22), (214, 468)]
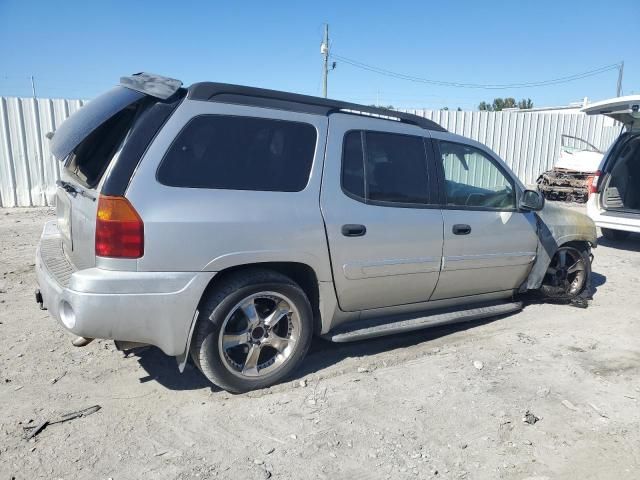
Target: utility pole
[(33, 86), (620, 70), (324, 50)]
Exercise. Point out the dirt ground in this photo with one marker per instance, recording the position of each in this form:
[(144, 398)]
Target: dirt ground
[(407, 406)]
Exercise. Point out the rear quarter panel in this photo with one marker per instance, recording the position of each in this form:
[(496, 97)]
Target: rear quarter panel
[(197, 229)]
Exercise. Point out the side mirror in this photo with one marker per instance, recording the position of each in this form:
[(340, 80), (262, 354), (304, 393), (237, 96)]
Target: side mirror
[(531, 201)]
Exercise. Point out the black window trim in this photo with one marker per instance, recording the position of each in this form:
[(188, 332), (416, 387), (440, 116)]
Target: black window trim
[(195, 117), (433, 187), (441, 179)]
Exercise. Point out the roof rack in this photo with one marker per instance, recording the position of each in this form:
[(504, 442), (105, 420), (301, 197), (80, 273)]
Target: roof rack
[(260, 97)]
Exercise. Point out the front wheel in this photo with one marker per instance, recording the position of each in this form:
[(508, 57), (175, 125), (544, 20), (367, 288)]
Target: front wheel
[(253, 330), (568, 274), (616, 235)]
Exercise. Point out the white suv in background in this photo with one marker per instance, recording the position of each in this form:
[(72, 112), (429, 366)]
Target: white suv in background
[(614, 192)]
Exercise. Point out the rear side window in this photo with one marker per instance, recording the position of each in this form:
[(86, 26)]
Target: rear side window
[(385, 167), (92, 156), (240, 153)]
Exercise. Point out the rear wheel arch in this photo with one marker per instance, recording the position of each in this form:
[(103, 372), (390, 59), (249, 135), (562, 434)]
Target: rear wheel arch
[(301, 273), (266, 290)]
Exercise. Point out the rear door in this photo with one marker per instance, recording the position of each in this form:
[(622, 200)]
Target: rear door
[(619, 168), (384, 233), (85, 144), (625, 110), (489, 246)]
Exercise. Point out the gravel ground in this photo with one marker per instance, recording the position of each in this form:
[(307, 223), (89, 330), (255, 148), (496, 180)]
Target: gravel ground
[(442, 403)]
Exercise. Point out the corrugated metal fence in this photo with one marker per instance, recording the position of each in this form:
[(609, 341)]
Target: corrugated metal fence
[(528, 142), (28, 171)]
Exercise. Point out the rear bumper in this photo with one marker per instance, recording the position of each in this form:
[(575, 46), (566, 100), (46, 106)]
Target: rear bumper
[(147, 307), (627, 222)]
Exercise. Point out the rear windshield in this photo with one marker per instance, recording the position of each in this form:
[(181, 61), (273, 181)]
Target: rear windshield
[(240, 153), (92, 156)]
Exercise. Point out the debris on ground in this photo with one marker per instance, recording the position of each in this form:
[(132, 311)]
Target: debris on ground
[(570, 405), (35, 430), (58, 378), (579, 302), (530, 418), (478, 364)]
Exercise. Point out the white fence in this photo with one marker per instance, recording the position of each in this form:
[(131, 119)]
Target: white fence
[(528, 142), (28, 171)]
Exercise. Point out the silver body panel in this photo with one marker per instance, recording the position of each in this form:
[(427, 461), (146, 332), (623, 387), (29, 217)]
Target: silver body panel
[(198, 229), (398, 260), (146, 307), (407, 262)]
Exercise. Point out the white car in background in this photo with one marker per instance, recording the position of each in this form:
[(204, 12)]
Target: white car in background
[(614, 191)]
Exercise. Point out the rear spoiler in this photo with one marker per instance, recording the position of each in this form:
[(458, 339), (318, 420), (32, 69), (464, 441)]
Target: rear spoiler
[(99, 110), (151, 84)]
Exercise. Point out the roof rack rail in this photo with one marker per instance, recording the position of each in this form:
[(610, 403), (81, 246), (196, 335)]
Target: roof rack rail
[(260, 97)]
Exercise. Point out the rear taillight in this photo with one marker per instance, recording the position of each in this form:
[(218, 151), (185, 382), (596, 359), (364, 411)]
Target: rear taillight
[(592, 182), (119, 229)]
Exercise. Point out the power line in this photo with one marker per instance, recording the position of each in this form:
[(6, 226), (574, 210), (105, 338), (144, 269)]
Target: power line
[(401, 76)]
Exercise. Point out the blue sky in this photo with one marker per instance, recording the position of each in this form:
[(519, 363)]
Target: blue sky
[(77, 49)]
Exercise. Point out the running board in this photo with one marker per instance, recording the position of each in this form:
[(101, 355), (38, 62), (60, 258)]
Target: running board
[(362, 330)]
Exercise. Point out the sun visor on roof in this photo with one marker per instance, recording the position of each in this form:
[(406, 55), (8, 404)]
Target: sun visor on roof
[(152, 84)]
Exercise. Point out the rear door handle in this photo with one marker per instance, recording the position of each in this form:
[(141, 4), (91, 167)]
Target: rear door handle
[(461, 229), (353, 230)]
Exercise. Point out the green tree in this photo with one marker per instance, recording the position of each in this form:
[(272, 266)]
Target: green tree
[(525, 104), (500, 104)]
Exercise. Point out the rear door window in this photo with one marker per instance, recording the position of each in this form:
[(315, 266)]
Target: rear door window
[(385, 168), (240, 153), (92, 156)]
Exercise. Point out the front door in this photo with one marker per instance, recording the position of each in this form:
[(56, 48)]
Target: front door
[(385, 239), (489, 246)]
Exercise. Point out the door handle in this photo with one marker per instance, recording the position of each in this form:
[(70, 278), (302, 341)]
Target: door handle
[(353, 230), (461, 229)]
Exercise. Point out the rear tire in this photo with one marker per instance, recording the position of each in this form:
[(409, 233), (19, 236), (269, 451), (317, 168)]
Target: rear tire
[(615, 235), (253, 329)]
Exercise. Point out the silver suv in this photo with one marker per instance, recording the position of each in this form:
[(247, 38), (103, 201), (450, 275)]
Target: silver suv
[(234, 223)]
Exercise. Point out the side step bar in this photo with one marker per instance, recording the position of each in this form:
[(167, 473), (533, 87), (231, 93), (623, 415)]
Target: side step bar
[(362, 330)]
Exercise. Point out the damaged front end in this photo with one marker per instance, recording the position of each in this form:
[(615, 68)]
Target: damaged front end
[(557, 227), (569, 179)]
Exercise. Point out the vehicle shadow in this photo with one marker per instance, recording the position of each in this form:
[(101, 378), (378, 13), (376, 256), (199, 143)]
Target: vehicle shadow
[(322, 354), (631, 243), (164, 370), (597, 280)]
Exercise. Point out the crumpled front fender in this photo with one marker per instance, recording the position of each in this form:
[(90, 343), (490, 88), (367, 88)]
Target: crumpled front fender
[(557, 226)]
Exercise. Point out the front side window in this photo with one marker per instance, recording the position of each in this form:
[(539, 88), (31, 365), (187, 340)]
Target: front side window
[(240, 153), (472, 179), (385, 167)]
